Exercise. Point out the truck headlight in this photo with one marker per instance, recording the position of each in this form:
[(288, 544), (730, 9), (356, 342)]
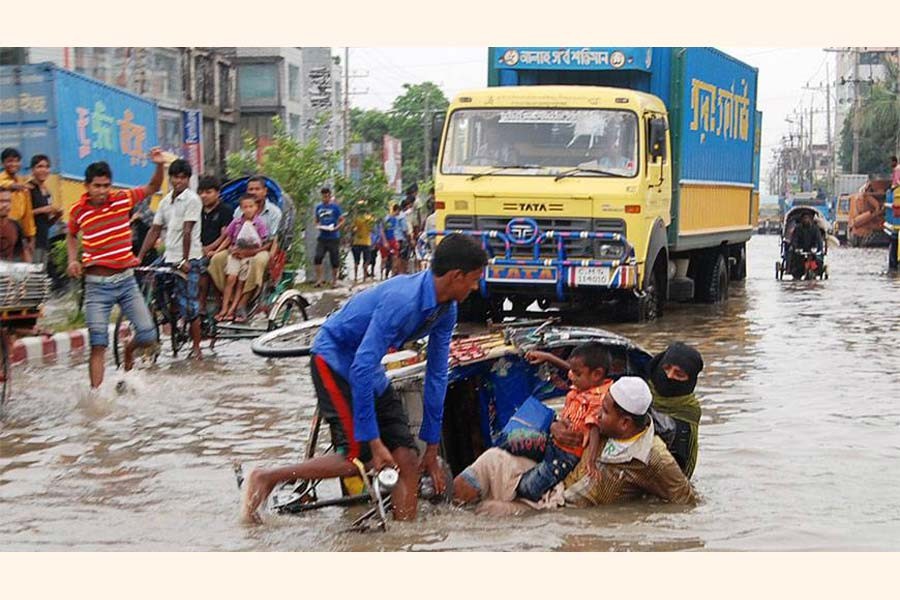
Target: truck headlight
[(608, 250)]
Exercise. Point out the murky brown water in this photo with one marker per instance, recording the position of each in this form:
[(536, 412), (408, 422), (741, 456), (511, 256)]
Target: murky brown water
[(799, 445)]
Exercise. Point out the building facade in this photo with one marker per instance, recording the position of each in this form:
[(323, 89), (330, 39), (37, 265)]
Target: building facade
[(182, 81), (855, 70), (302, 86)]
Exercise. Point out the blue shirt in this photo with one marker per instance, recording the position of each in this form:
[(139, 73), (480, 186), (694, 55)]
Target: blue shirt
[(390, 224), (401, 227), (328, 214), (355, 339)]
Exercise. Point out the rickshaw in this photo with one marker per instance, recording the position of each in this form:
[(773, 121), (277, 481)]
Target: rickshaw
[(797, 262), (24, 288), (276, 299), (489, 379)]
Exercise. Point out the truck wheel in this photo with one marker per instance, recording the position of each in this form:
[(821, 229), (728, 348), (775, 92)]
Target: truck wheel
[(648, 307), (714, 279), (739, 270)]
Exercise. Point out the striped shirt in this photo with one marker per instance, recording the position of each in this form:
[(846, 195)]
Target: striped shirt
[(105, 229)]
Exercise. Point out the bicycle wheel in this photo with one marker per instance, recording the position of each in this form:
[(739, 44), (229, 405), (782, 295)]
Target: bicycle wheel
[(289, 309), (5, 342), (293, 340), (124, 333)]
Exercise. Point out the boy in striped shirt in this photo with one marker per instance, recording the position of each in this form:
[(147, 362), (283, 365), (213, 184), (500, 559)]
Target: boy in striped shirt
[(107, 261)]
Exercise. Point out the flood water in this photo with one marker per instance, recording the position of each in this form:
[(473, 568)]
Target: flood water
[(799, 442)]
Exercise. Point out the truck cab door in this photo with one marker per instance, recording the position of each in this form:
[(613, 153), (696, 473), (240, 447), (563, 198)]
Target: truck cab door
[(656, 160)]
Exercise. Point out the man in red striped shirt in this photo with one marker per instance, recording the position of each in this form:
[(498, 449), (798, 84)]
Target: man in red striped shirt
[(107, 261)]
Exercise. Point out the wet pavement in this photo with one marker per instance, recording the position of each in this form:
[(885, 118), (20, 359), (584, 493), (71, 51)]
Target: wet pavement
[(799, 443)]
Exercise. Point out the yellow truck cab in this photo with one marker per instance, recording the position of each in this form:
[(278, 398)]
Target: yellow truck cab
[(579, 192)]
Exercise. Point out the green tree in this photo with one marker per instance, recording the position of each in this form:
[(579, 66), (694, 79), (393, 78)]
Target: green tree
[(411, 113), (369, 125), (879, 132)]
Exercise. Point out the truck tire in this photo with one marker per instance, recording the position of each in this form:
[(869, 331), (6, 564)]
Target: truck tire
[(712, 277), (649, 306), (739, 268)]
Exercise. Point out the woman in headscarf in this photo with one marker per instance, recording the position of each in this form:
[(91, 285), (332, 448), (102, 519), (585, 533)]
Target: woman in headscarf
[(672, 375)]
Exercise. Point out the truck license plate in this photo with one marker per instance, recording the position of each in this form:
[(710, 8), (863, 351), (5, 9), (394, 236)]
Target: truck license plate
[(592, 276)]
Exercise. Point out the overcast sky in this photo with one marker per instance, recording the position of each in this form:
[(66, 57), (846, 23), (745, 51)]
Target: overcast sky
[(378, 74)]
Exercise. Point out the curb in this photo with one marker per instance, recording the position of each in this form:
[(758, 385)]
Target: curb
[(69, 343), (42, 348)]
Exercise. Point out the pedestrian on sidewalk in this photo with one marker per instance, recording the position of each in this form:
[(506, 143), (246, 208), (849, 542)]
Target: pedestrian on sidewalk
[(42, 207), (329, 218), (179, 213), (362, 240), (107, 261)]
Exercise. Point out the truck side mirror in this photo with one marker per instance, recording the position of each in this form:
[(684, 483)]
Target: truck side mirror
[(657, 138)]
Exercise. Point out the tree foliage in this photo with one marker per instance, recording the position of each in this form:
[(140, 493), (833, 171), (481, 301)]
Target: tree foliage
[(879, 132)]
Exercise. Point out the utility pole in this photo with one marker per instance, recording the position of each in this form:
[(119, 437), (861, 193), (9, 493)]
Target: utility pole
[(346, 111), (427, 141), (856, 104), (828, 127), (812, 151)]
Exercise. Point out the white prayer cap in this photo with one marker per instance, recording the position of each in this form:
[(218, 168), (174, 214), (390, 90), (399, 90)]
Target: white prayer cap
[(632, 394)]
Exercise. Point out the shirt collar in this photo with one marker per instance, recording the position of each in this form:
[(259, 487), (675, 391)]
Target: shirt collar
[(429, 291), (625, 450)]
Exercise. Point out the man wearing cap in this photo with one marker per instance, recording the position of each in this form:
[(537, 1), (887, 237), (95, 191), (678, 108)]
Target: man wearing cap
[(672, 375), (633, 461)]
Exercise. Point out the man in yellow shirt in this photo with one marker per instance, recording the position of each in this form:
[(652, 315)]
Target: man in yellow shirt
[(362, 240), (21, 209)]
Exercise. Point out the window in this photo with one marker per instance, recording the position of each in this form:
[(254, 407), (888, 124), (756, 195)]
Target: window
[(171, 127), (295, 126), (294, 83), (226, 102), (258, 83), (542, 141), (259, 126)]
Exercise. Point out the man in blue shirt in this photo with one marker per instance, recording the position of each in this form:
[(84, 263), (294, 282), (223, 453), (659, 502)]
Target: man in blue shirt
[(329, 219), (367, 419)]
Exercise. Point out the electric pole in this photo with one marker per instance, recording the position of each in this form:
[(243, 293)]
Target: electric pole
[(828, 127), (346, 111), (855, 160), (427, 141), (812, 151)]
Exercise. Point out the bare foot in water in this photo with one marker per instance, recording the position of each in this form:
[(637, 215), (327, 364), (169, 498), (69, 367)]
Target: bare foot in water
[(256, 491)]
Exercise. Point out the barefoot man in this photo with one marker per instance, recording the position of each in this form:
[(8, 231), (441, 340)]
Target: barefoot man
[(368, 421), (107, 262)]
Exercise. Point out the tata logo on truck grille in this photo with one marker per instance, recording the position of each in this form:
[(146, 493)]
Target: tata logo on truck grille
[(522, 230), (532, 206)]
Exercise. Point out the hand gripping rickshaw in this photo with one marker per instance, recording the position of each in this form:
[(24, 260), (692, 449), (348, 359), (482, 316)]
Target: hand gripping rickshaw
[(798, 262), (24, 288), (489, 379), (275, 300)]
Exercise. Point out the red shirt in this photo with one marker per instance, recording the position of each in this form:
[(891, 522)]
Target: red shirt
[(105, 229)]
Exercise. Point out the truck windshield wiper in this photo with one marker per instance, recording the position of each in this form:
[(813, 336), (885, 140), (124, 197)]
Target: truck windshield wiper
[(575, 170), (499, 168)]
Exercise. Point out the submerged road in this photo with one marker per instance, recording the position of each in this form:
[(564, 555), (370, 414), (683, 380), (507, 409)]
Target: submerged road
[(799, 443)]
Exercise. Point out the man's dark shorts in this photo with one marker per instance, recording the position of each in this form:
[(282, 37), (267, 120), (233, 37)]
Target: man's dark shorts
[(330, 247), (336, 407)]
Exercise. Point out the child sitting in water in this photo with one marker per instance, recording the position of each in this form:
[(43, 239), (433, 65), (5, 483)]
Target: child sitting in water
[(244, 236), (588, 366)]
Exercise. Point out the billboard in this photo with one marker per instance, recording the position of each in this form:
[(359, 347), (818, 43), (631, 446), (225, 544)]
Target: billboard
[(392, 158), (97, 122), (193, 143)]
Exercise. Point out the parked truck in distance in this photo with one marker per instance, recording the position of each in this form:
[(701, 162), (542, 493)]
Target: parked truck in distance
[(604, 178)]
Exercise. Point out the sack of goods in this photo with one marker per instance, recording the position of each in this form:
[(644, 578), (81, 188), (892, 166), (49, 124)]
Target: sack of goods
[(23, 286)]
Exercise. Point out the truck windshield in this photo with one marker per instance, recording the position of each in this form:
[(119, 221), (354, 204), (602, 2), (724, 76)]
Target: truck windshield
[(542, 141)]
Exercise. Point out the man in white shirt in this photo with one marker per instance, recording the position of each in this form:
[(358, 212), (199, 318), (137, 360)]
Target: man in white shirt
[(179, 213)]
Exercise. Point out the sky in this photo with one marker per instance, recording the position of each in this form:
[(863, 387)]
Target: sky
[(377, 76)]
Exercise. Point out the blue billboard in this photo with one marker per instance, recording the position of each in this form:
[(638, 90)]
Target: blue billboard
[(98, 122)]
